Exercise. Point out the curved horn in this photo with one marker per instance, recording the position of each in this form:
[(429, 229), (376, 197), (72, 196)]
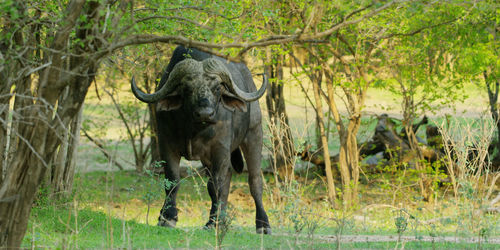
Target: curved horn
[(180, 69), (214, 65), (252, 96), (150, 98)]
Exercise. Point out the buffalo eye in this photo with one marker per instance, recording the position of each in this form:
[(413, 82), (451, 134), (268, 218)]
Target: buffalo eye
[(216, 88), (209, 78)]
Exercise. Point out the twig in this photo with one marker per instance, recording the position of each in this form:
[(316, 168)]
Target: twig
[(103, 150)]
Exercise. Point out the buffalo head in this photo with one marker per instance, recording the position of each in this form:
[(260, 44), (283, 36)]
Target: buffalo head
[(199, 87)]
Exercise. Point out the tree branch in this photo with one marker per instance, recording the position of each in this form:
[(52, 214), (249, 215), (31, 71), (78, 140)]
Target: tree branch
[(416, 31), (103, 149), (138, 39)]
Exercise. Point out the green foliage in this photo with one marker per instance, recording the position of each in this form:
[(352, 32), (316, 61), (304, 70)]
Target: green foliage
[(476, 42)]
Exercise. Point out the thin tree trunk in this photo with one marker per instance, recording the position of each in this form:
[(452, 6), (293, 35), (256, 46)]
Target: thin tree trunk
[(352, 149), (57, 168), (69, 170), (344, 156), (155, 149), (63, 169), (4, 123), (59, 161), (316, 77), (281, 136), (492, 86), (408, 117), (22, 99), (324, 142)]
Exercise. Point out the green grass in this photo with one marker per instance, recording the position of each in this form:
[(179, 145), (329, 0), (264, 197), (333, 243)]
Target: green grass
[(108, 210), (53, 227), (416, 245), (89, 229)]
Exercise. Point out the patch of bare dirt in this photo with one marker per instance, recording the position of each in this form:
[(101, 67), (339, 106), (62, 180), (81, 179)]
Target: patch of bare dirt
[(394, 238)]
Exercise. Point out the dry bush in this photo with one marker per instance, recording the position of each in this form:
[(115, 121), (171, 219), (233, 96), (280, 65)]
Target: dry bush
[(466, 150), (467, 159)]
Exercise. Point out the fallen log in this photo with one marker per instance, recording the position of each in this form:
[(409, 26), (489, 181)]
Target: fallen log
[(386, 141)]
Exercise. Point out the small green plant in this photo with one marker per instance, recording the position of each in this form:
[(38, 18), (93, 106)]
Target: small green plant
[(343, 222), (153, 187), (223, 223), (401, 222)]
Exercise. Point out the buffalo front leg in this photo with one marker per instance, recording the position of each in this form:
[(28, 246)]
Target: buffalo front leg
[(252, 153), (218, 189), (168, 213)]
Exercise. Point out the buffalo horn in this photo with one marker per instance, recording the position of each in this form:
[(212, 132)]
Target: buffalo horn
[(213, 65), (150, 98), (252, 96)]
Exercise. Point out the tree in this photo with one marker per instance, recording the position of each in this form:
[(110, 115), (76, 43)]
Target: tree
[(139, 123), (477, 51), (283, 148), (351, 62), (414, 66)]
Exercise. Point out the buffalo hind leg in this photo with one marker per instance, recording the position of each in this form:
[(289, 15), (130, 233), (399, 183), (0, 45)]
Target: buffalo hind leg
[(253, 155), (168, 214), (218, 189)]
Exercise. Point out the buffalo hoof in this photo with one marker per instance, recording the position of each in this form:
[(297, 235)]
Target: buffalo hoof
[(162, 222), (264, 230)]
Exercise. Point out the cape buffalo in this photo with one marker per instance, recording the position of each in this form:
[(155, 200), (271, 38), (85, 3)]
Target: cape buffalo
[(207, 110)]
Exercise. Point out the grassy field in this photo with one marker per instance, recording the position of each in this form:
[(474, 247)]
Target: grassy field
[(119, 209), (110, 210)]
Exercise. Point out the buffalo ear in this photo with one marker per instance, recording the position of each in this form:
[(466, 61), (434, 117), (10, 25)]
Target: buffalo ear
[(232, 102), (170, 102)]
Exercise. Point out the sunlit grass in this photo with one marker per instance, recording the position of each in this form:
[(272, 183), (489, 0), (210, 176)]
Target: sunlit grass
[(110, 212)]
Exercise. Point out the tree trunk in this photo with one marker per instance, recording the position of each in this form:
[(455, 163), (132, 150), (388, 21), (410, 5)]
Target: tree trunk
[(344, 155), (37, 130), (5, 97), (316, 77), (35, 149), (492, 86), (324, 143), (69, 170), (352, 149), (155, 148), (63, 169), (26, 171), (283, 150)]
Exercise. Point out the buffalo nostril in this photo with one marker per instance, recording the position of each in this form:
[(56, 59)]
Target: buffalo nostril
[(205, 113), (203, 102)]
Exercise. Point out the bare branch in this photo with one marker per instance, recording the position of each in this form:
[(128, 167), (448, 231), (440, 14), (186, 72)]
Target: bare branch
[(28, 144), (103, 149), (37, 69), (124, 120)]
